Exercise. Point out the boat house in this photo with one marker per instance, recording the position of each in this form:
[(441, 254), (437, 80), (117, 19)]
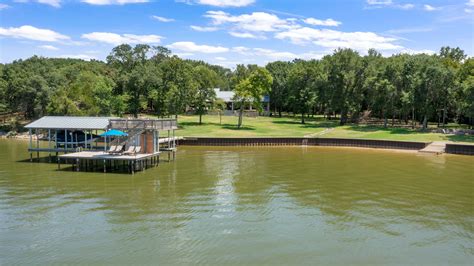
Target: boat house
[(106, 141)]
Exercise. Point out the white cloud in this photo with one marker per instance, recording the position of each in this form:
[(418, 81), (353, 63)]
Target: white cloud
[(55, 3), (317, 22), (114, 2), (430, 8), (467, 10), (470, 3), (33, 33), (220, 58), (423, 51), (204, 29), (3, 6), (405, 6), (48, 47), (388, 3), (183, 55), (240, 49), (256, 22), (79, 56), (191, 47), (245, 35), (361, 41), (116, 39), (409, 30), (273, 55), (380, 2), (162, 19), (225, 3)]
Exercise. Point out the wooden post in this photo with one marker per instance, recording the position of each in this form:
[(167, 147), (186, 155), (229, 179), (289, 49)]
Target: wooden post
[(145, 141), (65, 141), (154, 141), (31, 144), (37, 144), (158, 141), (49, 144), (169, 140), (56, 140)]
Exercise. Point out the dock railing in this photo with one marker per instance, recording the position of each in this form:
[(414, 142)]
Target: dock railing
[(156, 124)]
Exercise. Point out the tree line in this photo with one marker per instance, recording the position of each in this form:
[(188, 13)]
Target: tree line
[(138, 79)]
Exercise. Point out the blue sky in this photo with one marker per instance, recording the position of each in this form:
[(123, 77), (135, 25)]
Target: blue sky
[(228, 32)]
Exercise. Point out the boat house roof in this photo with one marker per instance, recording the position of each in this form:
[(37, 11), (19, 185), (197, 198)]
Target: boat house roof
[(70, 122)]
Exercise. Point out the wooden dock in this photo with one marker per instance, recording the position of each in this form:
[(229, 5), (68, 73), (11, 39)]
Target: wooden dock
[(86, 160), (436, 147)]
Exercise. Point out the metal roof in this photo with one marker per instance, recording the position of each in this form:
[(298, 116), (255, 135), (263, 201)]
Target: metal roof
[(226, 96), (70, 122)]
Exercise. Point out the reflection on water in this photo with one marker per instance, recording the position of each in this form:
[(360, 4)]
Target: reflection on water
[(242, 205)]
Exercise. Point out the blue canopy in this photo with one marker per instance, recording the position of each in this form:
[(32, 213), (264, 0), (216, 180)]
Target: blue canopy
[(113, 133)]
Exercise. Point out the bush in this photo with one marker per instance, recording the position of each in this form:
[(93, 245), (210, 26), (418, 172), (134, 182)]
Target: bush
[(11, 134)]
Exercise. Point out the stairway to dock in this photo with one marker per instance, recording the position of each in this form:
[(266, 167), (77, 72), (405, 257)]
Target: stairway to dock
[(436, 147)]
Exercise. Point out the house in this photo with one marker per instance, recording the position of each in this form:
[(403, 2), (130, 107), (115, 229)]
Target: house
[(228, 98)]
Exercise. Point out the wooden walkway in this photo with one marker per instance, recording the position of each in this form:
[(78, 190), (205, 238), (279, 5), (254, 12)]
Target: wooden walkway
[(436, 147)]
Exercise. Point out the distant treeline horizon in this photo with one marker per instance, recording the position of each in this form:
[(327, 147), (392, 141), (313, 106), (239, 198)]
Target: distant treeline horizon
[(144, 79)]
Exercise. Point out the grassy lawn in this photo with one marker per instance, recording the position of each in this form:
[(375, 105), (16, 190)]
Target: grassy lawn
[(252, 127), (291, 127)]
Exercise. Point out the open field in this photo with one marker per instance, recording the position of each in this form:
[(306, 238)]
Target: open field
[(291, 127)]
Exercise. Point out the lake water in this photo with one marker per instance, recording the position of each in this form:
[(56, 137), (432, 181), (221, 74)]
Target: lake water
[(246, 205)]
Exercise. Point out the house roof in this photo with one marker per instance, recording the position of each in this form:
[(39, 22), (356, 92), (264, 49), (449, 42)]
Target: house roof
[(70, 122), (226, 96)]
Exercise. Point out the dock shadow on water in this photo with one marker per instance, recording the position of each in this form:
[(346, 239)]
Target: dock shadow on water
[(241, 205)]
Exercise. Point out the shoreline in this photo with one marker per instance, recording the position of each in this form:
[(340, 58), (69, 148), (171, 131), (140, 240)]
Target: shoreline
[(393, 145), (405, 146)]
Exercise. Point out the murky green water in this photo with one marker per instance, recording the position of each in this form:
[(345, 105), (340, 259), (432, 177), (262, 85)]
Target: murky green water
[(242, 206)]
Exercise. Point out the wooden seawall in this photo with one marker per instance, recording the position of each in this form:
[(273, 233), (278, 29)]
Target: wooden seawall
[(464, 149), (362, 143)]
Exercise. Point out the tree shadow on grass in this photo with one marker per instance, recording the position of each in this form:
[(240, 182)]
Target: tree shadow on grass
[(461, 138), (308, 124), (234, 127), (187, 124), (183, 125), (398, 131)]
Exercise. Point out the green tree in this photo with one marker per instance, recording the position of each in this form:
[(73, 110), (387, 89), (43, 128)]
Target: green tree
[(131, 63), (252, 89), (206, 80), (280, 72), (345, 74), (178, 85), (304, 80)]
